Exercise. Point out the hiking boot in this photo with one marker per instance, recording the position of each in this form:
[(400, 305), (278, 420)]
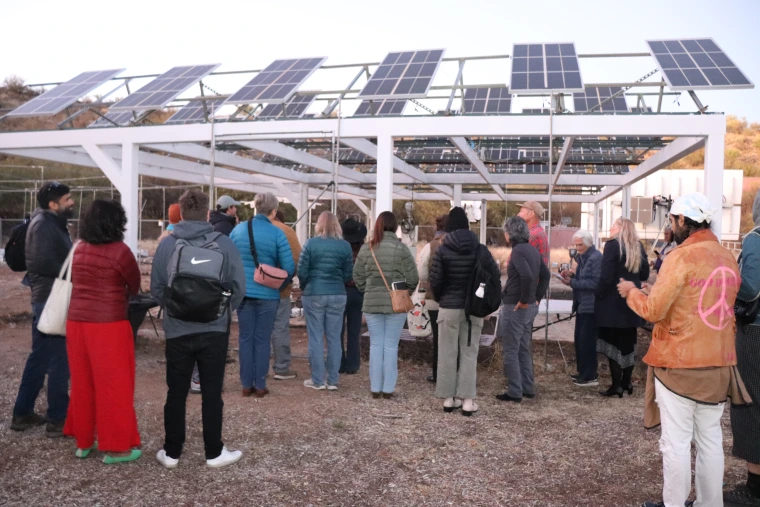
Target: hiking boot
[(54, 429), (285, 375), (24, 422), (586, 383)]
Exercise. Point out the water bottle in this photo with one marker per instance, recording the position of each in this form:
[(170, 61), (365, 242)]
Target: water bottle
[(481, 291), (225, 300)]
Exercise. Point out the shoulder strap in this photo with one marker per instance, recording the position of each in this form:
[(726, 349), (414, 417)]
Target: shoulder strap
[(379, 269), (67, 264), (253, 245)]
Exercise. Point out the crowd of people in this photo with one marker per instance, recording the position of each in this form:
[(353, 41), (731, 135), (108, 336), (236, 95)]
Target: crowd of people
[(210, 264)]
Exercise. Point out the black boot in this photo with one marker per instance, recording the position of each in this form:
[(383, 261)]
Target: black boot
[(616, 373), (626, 380)]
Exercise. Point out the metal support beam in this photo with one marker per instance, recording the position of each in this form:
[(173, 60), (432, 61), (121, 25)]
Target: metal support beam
[(457, 195), (464, 147), (626, 201), (713, 189), (128, 185), (359, 204), (302, 227), (563, 155), (384, 188), (483, 221)]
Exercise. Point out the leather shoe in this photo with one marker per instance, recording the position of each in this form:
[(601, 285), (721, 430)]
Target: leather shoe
[(247, 391), (260, 393), (507, 397), (431, 379)]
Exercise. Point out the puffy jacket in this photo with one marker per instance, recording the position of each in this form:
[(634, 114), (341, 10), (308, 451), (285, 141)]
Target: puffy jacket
[(104, 276), (47, 245), (295, 248), (453, 263), (326, 265), (611, 309), (691, 305), (272, 248), (397, 264), (222, 222), (424, 261), (586, 280)]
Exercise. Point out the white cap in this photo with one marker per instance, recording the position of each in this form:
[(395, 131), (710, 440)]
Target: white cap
[(694, 206), (226, 201)]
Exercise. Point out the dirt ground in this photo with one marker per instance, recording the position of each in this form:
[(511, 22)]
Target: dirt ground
[(567, 447)]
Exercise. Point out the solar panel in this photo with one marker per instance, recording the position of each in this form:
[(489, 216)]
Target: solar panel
[(277, 82), (593, 96), (641, 109), (691, 64), (407, 74), (194, 112), (545, 67), (120, 119), (535, 111), (293, 109), (487, 101), (388, 107), (164, 88), (55, 100)]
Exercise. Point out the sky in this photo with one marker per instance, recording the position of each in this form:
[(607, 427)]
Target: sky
[(50, 40)]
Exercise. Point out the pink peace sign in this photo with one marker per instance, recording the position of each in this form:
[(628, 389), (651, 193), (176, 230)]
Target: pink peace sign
[(721, 308)]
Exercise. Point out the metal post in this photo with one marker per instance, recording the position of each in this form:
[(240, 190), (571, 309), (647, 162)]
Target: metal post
[(163, 222), (483, 221), (549, 230), (384, 187), (596, 224), (211, 201), (713, 186), (336, 154), (457, 195)]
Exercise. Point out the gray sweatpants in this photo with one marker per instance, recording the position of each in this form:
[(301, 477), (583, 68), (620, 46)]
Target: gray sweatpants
[(452, 342), (516, 331), (281, 337)]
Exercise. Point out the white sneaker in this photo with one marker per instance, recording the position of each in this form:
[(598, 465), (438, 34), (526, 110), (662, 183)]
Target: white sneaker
[(195, 387), (332, 388), (224, 459), (166, 460), (310, 383)]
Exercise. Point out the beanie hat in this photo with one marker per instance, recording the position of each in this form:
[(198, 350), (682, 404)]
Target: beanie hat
[(51, 191), (457, 220), (174, 216)]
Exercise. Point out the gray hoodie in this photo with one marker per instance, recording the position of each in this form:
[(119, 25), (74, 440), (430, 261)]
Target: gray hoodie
[(159, 278)]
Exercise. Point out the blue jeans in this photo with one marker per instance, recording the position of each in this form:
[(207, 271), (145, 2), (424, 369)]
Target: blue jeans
[(324, 317), (48, 357), (384, 334), (256, 318)]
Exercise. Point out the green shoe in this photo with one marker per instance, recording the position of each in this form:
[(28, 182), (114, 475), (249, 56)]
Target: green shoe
[(110, 460), (83, 453)]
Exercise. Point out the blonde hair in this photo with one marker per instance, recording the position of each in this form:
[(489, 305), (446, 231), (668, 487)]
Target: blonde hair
[(328, 226), (629, 244)]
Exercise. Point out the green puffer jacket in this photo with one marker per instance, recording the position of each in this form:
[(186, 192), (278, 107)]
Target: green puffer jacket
[(397, 264)]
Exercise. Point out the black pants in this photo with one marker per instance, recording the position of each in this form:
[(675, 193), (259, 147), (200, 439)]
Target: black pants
[(209, 350), (585, 345), (350, 342), (434, 326)]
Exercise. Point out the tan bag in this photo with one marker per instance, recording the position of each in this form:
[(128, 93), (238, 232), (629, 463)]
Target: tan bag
[(401, 301)]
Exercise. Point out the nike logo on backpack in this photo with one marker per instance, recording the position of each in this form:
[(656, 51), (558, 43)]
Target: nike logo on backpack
[(193, 261)]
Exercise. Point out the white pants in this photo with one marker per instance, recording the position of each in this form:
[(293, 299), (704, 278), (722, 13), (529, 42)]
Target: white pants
[(682, 421)]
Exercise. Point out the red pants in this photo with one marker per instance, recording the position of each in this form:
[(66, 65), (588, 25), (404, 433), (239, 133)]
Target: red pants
[(102, 364)]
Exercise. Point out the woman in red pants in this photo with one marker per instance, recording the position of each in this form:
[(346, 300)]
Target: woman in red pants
[(99, 338)]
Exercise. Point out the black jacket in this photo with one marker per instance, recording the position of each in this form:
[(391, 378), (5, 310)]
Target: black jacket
[(527, 276), (47, 245), (222, 222), (452, 267), (611, 309)]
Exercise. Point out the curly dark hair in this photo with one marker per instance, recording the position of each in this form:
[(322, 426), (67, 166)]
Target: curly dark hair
[(103, 222)]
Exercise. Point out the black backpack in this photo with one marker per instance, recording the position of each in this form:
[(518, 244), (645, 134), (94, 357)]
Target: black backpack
[(481, 303), (15, 249)]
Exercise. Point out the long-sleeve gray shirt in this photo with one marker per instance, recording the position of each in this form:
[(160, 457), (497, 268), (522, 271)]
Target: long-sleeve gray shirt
[(527, 276)]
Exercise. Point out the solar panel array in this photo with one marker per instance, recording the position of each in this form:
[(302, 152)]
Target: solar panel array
[(408, 74), (120, 119), (545, 67), (690, 64), (194, 112), (388, 107), (487, 101), (55, 100), (293, 109), (277, 82), (593, 96), (164, 88), (535, 111)]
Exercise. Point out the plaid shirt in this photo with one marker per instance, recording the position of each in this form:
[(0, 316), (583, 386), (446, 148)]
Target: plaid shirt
[(539, 240)]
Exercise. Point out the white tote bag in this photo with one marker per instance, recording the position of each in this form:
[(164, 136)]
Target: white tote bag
[(418, 318), (56, 311)]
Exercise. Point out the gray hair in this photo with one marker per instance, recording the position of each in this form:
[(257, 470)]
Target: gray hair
[(584, 235), (517, 230), (265, 203)]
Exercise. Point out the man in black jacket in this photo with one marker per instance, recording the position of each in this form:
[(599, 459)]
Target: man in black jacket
[(224, 219), (47, 246)]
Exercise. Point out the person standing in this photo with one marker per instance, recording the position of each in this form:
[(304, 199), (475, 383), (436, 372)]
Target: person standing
[(584, 281), (281, 333), (527, 281), (624, 258), (423, 267), (100, 345), (668, 247), (532, 212), (453, 265), (190, 336), (354, 232), (258, 310), (745, 420), (326, 265), (692, 357), (225, 218), (47, 246), (384, 256)]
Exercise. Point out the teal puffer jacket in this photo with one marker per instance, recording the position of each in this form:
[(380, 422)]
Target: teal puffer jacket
[(325, 266), (397, 264)]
